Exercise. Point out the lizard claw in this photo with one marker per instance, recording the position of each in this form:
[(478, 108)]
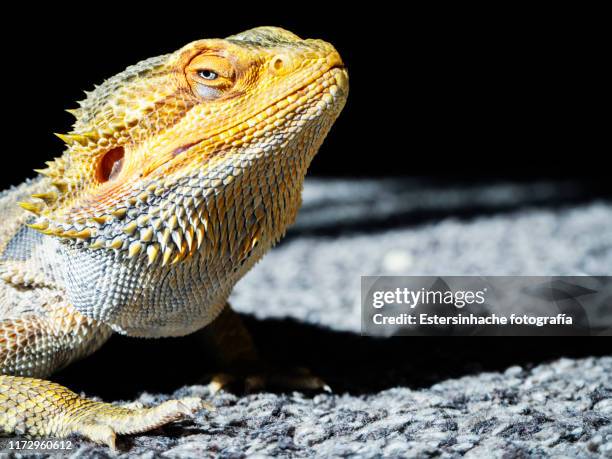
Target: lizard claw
[(219, 382), (190, 405), (99, 433)]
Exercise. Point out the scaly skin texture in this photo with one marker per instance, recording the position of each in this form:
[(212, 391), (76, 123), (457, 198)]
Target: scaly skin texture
[(179, 174)]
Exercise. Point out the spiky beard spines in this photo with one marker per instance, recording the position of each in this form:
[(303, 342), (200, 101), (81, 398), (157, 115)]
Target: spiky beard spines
[(165, 223)]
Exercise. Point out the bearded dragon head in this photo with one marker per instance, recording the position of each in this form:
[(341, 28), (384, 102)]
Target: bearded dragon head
[(201, 151), (149, 142)]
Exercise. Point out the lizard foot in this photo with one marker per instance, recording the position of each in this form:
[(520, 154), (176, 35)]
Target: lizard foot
[(39, 408), (101, 422), (246, 370), (301, 379)]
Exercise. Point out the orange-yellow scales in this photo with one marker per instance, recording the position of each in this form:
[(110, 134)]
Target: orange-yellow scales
[(179, 174)]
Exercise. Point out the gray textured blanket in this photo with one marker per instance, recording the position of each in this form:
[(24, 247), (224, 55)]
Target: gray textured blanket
[(400, 397)]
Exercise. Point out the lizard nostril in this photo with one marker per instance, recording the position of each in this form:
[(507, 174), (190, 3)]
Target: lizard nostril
[(279, 64)]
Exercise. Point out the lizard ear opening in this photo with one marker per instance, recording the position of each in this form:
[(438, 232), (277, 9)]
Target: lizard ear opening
[(111, 164)]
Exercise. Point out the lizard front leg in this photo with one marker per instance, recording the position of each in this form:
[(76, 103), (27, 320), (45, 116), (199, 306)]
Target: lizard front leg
[(36, 407), (37, 345), (232, 346)]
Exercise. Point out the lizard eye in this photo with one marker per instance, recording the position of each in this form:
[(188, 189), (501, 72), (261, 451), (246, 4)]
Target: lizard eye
[(207, 74), (210, 76)]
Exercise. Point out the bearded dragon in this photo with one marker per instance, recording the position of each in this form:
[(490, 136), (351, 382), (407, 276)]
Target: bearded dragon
[(178, 176)]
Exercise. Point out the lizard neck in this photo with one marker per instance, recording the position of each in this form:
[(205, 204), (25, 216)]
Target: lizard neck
[(247, 215)]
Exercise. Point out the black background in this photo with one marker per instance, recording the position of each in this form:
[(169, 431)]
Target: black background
[(453, 93), (458, 93)]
